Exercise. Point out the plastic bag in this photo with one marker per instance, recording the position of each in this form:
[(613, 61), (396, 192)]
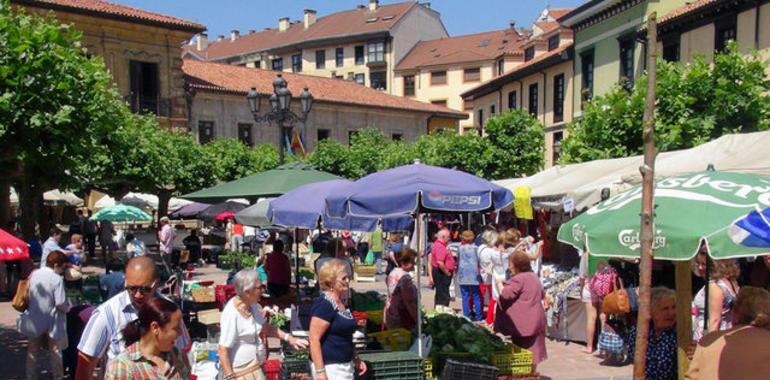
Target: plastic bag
[(427, 343), (369, 260)]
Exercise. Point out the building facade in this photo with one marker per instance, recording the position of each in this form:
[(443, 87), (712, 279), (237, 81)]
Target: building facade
[(361, 45), (607, 51), (541, 85), (141, 49), (219, 108)]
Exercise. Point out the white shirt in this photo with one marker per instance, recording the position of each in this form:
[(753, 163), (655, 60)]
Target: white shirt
[(485, 262), (241, 335), (50, 245), (45, 313), (499, 266), (167, 236)]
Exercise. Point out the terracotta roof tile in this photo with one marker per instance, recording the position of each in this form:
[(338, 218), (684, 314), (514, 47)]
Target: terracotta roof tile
[(117, 10), (466, 48), (681, 11), (338, 24), (558, 12), (238, 79)]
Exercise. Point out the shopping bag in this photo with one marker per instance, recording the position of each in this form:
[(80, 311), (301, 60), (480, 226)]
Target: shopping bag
[(616, 302), (369, 260), (21, 299)]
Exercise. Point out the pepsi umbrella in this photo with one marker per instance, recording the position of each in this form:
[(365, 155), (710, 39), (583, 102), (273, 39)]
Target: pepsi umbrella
[(415, 189), (12, 248)]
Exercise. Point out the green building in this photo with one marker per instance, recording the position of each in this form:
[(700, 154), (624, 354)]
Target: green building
[(607, 50)]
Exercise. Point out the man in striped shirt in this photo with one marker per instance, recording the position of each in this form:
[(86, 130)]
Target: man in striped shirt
[(104, 331)]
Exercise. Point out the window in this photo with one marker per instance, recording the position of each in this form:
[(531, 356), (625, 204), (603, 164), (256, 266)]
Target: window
[(244, 134), (351, 134), (360, 78), (481, 117), (467, 105), (533, 99), (587, 73), (529, 53), (725, 32), (500, 66), (322, 134), (277, 64), (258, 64), (296, 63), (409, 85), (378, 80), (492, 110), (376, 51), (556, 146), (320, 59), (512, 100), (553, 42), (627, 62), (472, 75), (205, 131), (441, 102), (359, 55), (339, 56), (145, 87), (671, 49), (558, 98), (396, 137), (437, 78)]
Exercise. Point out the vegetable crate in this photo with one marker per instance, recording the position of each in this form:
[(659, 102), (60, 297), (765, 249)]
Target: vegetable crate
[(365, 270), (513, 360), (437, 360), (375, 316), (394, 365), (294, 365), (427, 368), (458, 370), (399, 339)]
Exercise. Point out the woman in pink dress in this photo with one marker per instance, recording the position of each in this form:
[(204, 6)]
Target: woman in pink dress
[(521, 315), (401, 306)]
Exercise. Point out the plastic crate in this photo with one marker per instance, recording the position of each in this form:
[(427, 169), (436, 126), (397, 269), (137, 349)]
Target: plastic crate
[(375, 316), (272, 369), (394, 365), (458, 370), (365, 270), (439, 359), (427, 368), (399, 339), (514, 360), (292, 365), (223, 293)]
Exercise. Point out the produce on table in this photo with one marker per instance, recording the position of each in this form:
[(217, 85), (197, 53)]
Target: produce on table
[(370, 300), (275, 317), (306, 274), (453, 334)]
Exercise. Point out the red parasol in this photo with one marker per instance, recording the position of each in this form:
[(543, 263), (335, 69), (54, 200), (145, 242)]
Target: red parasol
[(12, 248), (225, 215)]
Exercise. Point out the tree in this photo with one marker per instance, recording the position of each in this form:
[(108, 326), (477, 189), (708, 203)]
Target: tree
[(234, 160), (518, 141), (56, 107), (697, 102)]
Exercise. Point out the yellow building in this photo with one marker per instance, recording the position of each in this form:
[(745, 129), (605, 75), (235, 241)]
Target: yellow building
[(141, 49), (704, 27), (362, 45), (542, 85)]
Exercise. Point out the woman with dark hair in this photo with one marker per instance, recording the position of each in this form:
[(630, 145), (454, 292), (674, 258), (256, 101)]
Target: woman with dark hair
[(521, 315), (150, 352), (401, 306)]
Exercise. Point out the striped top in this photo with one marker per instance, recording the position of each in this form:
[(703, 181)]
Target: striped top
[(104, 331), (133, 365)]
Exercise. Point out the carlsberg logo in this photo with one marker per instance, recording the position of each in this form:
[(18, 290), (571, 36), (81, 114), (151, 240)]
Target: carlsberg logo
[(719, 192), (630, 239)]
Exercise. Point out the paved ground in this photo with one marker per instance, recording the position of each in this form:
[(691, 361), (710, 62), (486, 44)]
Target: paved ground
[(565, 360)]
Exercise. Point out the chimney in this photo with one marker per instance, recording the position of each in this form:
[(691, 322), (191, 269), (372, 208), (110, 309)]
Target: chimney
[(426, 5), (234, 34), (512, 23), (202, 42), (373, 5), (283, 24), (220, 37), (252, 31), (309, 17)]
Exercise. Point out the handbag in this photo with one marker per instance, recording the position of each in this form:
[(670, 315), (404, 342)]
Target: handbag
[(21, 298), (603, 282), (616, 302)]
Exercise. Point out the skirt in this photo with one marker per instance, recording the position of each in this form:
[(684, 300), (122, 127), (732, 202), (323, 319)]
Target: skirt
[(535, 343), (339, 371), (249, 371)]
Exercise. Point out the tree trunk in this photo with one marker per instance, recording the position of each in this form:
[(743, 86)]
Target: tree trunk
[(28, 194), (5, 203), (43, 213), (648, 177), (164, 196)]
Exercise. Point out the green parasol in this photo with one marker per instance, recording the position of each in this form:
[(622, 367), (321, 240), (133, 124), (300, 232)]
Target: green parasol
[(121, 213), (689, 209), (271, 183)]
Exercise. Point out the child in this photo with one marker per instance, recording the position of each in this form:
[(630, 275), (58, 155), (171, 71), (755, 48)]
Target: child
[(468, 276)]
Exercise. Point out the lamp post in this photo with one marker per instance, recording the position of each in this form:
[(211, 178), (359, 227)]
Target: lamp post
[(280, 111)]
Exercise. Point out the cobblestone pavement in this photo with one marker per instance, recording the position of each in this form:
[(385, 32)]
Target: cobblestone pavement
[(565, 360)]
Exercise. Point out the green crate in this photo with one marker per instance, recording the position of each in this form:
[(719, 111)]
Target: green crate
[(459, 370), (294, 365), (395, 365)]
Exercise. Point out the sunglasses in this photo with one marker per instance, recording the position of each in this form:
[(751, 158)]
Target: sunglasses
[(140, 289)]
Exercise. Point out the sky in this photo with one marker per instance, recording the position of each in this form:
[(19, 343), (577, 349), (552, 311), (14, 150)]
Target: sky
[(459, 16)]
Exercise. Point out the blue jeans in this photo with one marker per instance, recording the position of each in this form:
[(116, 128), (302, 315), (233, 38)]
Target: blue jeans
[(378, 262), (471, 291)]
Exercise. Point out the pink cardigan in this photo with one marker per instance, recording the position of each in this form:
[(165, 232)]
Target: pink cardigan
[(521, 301)]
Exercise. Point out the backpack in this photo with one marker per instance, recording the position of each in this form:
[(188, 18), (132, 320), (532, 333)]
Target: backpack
[(603, 282)]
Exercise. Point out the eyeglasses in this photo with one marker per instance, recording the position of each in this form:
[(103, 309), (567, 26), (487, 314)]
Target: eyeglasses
[(140, 289)]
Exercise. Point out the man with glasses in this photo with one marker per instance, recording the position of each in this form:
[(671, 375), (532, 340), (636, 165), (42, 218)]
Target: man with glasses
[(104, 331)]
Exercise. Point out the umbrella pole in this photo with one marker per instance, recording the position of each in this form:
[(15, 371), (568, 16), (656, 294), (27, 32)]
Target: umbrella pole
[(420, 250), (648, 177), (296, 260)]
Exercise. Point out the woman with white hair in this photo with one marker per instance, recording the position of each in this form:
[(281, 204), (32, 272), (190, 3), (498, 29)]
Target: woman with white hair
[(241, 349), (486, 253)]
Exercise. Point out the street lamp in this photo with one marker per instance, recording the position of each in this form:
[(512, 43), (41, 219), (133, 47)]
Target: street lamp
[(280, 111)]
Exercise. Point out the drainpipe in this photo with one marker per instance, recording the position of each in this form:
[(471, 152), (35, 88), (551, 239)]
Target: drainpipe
[(756, 25), (545, 94), (500, 101), (520, 99)]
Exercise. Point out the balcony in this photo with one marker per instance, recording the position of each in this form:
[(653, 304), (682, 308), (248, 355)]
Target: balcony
[(150, 105)]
